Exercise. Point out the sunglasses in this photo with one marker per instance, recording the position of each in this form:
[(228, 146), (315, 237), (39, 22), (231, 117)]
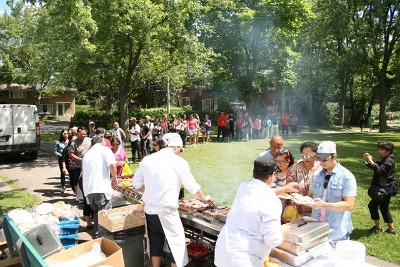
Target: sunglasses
[(307, 156), (281, 161), (326, 181), (324, 159)]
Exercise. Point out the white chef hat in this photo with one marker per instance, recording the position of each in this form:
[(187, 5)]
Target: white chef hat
[(172, 139)]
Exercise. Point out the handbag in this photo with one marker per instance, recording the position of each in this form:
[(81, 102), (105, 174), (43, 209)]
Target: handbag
[(290, 213), (377, 193), (126, 171)]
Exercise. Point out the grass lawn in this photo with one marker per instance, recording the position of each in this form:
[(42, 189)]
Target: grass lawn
[(221, 167), (16, 198)]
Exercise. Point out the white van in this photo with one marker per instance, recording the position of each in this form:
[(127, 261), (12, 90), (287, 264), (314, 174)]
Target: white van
[(19, 129)]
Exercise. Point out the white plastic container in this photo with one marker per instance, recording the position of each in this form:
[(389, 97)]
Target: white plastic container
[(350, 253)]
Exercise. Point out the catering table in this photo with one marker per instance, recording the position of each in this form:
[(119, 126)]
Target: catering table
[(205, 230), (329, 260)]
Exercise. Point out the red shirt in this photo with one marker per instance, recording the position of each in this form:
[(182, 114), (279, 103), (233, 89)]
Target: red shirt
[(285, 120), (222, 120)]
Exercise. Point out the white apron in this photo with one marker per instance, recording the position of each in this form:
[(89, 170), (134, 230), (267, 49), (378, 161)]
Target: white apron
[(174, 232)]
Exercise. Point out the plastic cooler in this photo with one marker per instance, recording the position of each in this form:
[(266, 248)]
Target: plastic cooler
[(69, 232), (199, 255)]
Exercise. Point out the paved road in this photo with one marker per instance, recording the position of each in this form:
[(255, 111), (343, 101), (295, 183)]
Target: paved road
[(41, 178)]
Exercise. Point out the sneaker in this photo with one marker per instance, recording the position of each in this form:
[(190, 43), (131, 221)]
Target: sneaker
[(393, 232), (63, 189), (79, 201), (375, 229)]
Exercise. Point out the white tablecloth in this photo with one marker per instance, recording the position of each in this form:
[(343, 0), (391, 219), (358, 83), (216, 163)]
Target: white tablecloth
[(330, 260)]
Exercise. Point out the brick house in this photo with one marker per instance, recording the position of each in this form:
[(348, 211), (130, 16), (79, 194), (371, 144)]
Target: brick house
[(202, 95), (60, 104)]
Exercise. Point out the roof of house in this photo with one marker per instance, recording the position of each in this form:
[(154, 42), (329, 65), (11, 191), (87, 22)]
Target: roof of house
[(27, 87), (16, 86)]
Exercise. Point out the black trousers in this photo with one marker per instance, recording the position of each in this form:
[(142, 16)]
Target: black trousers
[(62, 176), (383, 206), (156, 236), (136, 148), (87, 210), (220, 132)]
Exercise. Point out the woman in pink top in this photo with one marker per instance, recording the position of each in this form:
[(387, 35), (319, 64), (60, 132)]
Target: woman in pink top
[(119, 154), (192, 126)]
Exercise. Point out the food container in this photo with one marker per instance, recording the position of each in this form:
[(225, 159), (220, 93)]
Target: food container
[(306, 231), (290, 258), (44, 240), (350, 252), (298, 260), (300, 248)]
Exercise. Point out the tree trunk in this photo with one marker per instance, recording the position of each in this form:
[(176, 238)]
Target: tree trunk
[(123, 110), (382, 100), (109, 100), (342, 100), (351, 85)]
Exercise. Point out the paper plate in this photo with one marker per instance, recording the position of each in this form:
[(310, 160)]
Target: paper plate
[(44, 208), (298, 202), (285, 196)]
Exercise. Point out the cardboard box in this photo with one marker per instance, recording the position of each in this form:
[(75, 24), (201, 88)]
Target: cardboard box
[(109, 248), (11, 262)]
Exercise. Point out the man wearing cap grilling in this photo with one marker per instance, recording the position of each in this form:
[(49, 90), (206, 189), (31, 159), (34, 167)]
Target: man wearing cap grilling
[(162, 174), (334, 190), (253, 226)]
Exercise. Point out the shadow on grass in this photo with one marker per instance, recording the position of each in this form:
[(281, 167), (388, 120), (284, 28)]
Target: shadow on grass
[(357, 234)]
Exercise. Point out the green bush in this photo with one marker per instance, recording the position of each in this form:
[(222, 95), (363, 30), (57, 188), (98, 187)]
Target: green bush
[(82, 118), (85, 114), (158, 112)]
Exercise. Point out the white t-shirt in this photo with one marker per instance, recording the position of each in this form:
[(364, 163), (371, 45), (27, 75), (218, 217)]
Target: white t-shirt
[(162, 175), (135, 129), (95, 170), (150, 125), (253, 226)]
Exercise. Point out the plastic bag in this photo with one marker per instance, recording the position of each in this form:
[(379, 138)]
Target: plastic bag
[(126, 171), (290, 213)]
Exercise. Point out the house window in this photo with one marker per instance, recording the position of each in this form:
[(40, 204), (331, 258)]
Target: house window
[(207, 105), (186, 101), (17, 94), (45, 109)]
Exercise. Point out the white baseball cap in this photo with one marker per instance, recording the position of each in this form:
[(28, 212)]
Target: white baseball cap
[(172, 139), (327, 147)]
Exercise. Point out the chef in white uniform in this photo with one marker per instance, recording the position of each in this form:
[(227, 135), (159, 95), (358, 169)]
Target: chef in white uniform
[(162, 175), (253, 226)]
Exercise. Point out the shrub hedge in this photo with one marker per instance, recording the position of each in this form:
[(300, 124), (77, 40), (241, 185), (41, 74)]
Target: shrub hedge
[(85, 114)]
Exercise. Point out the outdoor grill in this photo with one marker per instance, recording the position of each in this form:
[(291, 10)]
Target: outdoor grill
[(199, 226)]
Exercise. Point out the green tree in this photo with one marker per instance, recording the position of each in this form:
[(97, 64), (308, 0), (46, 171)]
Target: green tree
[(252, 39), (379, 34)]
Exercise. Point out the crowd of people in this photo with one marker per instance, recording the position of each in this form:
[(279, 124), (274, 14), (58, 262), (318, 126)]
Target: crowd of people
[(194, 130), (250, 231)]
